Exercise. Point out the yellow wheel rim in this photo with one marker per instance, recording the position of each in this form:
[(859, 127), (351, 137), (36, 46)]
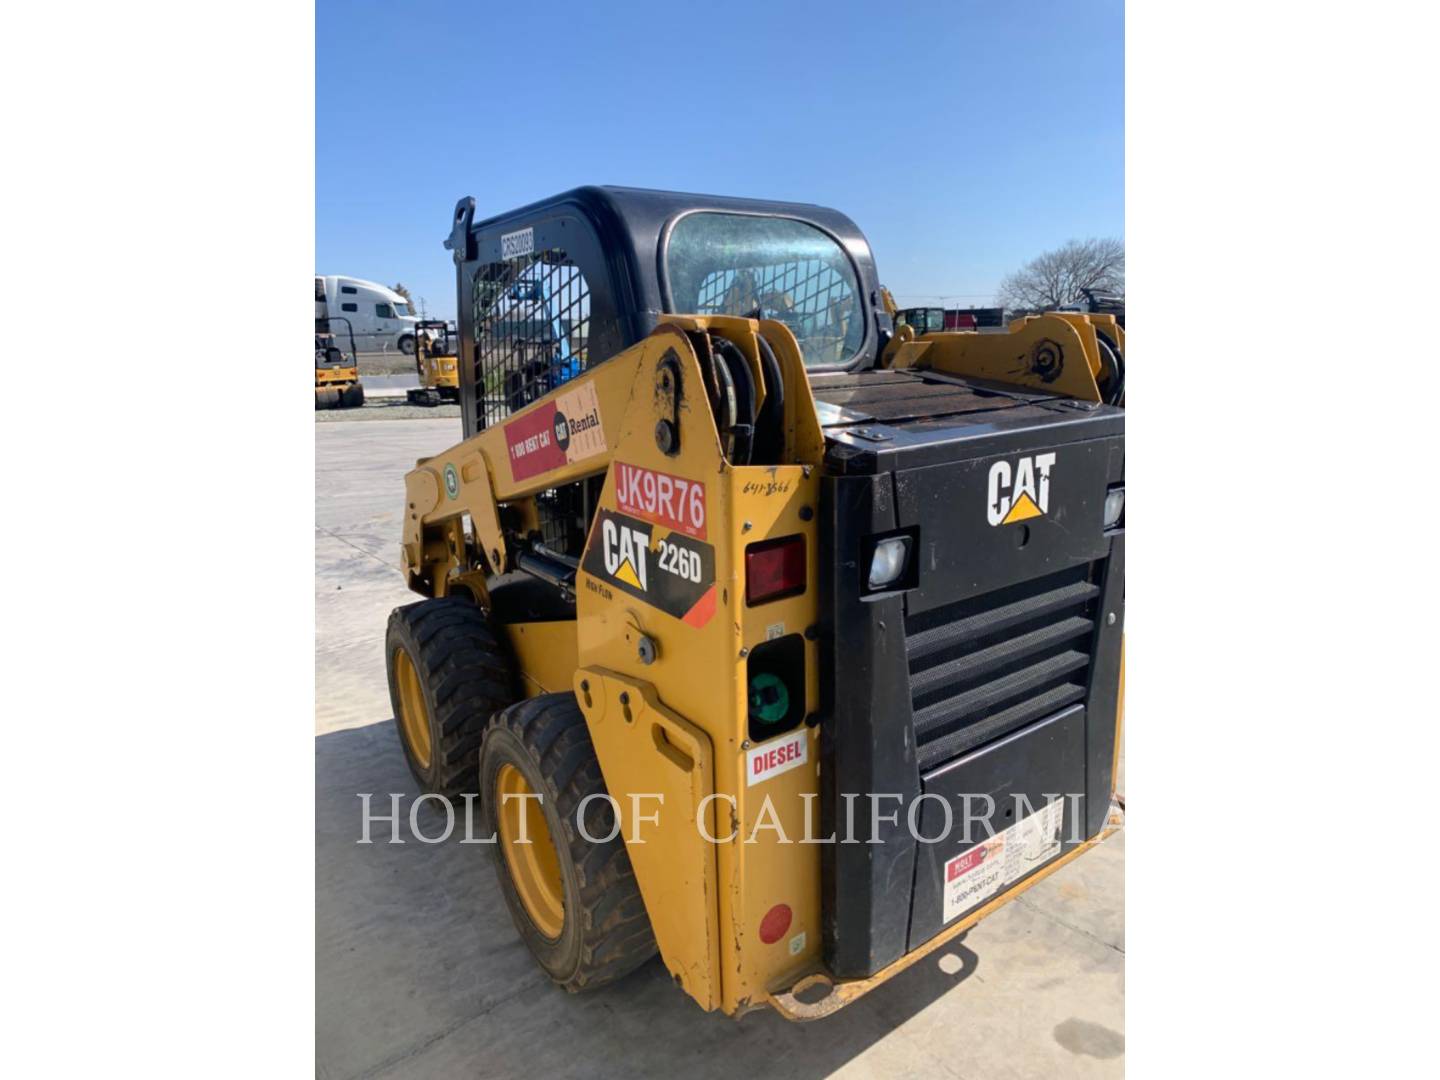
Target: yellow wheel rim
[(534, 866), (414, 721)]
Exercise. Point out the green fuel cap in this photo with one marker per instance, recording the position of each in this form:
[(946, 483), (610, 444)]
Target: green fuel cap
[(769, 699)]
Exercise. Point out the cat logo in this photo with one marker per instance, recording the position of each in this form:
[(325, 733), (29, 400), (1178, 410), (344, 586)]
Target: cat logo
[(1020, 493), (625, 549), (669, 571)]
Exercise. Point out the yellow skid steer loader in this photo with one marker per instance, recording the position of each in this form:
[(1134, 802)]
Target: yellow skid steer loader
[(774, 642)]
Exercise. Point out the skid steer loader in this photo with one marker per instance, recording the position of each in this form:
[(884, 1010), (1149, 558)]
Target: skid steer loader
[(738, 603)]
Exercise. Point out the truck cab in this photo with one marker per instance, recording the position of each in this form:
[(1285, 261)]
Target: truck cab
[(381, 317)]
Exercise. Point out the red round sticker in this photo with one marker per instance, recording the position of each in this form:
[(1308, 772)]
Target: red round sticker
[(775, 923)]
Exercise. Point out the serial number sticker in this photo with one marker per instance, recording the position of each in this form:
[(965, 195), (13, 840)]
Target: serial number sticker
[(515, 244), (775, 757), (975, 875)]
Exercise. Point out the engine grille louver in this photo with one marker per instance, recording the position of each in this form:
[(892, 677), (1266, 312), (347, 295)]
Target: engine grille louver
[(986, 666)]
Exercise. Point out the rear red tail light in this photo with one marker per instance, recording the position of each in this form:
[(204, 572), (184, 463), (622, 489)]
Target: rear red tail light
[(774, 568)]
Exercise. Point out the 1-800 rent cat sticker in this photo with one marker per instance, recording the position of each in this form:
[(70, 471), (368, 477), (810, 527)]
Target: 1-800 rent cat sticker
[(556, 433), (673, 572), (989, 866)]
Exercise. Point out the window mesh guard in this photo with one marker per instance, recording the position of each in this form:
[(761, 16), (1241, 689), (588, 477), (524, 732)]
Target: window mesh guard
[(532, 331), (809, 296)]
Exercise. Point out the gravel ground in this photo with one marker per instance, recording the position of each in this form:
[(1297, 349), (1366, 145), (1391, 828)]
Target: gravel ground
[(391, 408), (390, 363)]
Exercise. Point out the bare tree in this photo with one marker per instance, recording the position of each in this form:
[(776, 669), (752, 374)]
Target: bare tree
[(1060, 277), (403, 291)]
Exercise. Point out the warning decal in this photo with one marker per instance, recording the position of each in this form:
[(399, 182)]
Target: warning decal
[(978, 874), (672, 572), (559, 432)]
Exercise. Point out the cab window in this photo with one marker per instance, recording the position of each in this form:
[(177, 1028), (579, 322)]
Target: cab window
[(532, 329), (385, 311), (771, 268)]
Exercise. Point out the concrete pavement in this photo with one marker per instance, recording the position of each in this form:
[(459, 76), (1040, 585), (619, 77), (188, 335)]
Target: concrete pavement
[(389, 385), (420, 973)]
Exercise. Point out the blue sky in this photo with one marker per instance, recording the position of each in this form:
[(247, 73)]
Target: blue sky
[(963, 138)]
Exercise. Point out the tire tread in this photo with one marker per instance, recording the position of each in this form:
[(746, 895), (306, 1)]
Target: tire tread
[(617, 936), (467, 670)]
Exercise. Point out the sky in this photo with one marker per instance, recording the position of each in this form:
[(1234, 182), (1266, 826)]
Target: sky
[(963, 138)]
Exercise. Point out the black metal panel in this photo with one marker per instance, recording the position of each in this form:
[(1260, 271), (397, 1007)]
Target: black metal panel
[(899, 399), (857, 443), (1045, 759), (1104, 690), (983, 667), (866, 744), (998, 640), (963, 554), (902, 398)]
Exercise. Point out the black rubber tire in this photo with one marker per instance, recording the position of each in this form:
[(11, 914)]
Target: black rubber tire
[(327, 399), (407, 345), (606, 933), (465, 674), (353, 396)]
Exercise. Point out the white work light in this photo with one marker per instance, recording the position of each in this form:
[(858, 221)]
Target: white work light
[(1114, 506), (888, 562)]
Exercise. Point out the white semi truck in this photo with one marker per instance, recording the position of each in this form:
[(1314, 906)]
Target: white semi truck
[(380, 317)]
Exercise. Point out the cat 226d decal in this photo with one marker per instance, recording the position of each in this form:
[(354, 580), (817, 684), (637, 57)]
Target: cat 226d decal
[(674, 572)]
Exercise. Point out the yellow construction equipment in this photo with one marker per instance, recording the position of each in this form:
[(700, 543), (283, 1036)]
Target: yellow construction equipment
[(436, 364), (887, 301), (738, 605), (925, 320), (337, 375)]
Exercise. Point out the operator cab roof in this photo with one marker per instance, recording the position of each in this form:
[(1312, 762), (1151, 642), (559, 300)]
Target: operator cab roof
[(645, 253)]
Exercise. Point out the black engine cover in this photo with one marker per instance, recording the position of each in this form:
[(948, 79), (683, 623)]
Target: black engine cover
[(991, 669)]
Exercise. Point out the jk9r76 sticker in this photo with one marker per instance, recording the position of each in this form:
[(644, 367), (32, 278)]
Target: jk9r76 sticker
[(661, 497)]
